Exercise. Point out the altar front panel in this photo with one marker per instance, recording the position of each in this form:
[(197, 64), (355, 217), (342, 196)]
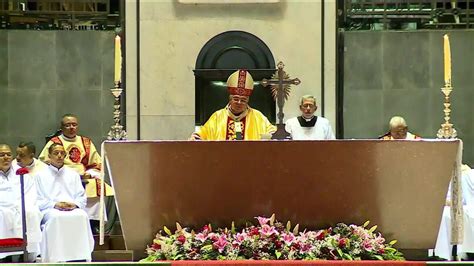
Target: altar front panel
[(398, 185)]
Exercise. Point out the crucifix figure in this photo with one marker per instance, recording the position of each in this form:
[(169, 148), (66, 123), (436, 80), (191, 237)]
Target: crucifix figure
[(280, 85)]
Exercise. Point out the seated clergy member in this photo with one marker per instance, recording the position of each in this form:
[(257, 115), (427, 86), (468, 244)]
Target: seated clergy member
[(398, 129), (308, 126), (236, 121), (82, 156), (25, 157), (67, 233), (10, 205)]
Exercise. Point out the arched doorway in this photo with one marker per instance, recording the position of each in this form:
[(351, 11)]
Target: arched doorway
[(218, 58)]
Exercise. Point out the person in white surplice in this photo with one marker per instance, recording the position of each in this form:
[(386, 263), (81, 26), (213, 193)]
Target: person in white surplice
[(443, 247), (67, 234), (10, 205), (83, 157), (308, 126)]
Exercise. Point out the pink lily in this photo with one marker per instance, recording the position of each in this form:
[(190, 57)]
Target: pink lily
[(240, 237), (221, 243), (201, 237), (262, 220), (367, 245), (267, 230), (288, 238)]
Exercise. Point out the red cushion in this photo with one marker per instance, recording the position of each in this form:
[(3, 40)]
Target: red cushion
[(11, 242)]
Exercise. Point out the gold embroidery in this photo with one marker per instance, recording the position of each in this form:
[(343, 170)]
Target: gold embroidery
[(231, 134)]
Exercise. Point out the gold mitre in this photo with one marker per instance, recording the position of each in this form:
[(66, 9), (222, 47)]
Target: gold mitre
[(240, 83)]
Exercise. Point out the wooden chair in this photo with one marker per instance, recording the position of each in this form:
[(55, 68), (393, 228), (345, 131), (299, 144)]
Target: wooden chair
[(52, 135), (17, 244)]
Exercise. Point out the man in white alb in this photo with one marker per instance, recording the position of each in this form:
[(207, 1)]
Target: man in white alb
[(67, 234), (308, 126), (10, 205)]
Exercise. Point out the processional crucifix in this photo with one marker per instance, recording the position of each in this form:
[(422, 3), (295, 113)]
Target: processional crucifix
[(280, 86)]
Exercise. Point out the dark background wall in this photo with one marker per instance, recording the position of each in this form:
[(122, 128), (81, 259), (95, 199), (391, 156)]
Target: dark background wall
[(44, 74), (401, 73)]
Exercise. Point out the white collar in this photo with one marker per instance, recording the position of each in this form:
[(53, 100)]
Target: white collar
[(68, 139), (56, 170), (237, 117), (7, 173), (308, 119)]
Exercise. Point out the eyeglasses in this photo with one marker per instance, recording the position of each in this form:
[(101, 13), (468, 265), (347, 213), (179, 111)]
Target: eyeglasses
[(240, 100), (308, 106), (5, 154)]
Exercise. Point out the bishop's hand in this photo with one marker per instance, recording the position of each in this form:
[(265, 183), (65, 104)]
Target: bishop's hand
[(194, 136)]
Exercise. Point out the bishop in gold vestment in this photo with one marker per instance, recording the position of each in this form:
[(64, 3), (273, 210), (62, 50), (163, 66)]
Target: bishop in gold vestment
[(237, 121)]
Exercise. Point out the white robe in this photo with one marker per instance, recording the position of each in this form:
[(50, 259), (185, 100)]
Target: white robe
[(320, 131), (93, 207), (66, 234), (10, 210), (443, 248)]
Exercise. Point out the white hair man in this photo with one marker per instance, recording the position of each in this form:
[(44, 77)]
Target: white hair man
[(398, 129), (307, 126)]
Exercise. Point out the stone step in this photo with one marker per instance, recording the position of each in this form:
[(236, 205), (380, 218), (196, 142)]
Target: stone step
[(105, 246), (112, 255), (117, 242), (111, 242)]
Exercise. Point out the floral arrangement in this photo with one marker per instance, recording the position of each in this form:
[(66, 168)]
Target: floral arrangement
[(272, 240)]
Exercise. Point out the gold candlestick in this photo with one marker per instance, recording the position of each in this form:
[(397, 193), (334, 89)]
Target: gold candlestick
[(447, 130)]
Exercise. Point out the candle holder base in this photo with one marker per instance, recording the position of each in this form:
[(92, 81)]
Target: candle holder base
[(281, 133), (117, 131), (447, 130)]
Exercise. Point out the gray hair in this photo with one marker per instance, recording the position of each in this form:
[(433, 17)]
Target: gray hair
[(4, 145), (308, 97), (397, 121)]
